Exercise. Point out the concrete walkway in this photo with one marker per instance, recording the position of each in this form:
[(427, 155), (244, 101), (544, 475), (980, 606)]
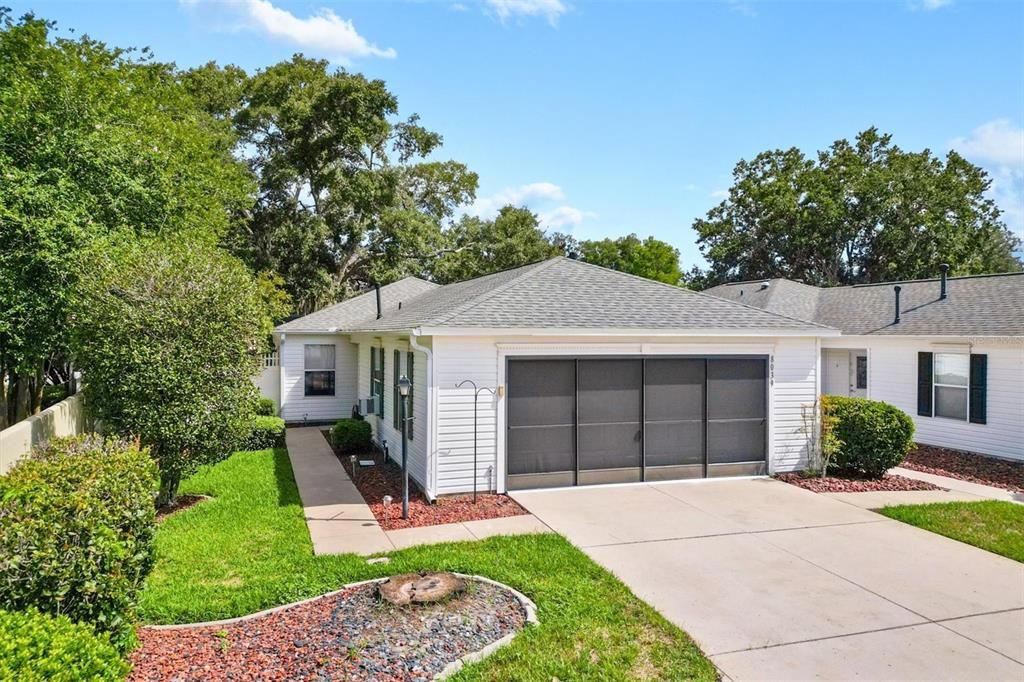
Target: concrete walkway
[(955, 491), (340, 522), (775, 582)]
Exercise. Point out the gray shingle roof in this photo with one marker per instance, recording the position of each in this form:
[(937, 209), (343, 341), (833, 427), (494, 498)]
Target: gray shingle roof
[(979, 305), (352, 312), (566, 294)]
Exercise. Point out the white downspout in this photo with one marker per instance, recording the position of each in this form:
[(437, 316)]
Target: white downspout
[(431, 416)]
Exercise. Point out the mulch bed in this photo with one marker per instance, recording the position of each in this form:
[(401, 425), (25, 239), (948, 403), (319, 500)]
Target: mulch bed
[(182, 503), (351, 635), (385, 478), (967, 466), (836, 484)]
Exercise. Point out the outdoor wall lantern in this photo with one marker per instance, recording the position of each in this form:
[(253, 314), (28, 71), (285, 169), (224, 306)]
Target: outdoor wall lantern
[(404, 387)]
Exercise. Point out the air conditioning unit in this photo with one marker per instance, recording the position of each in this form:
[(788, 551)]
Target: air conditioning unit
[(368, 406)]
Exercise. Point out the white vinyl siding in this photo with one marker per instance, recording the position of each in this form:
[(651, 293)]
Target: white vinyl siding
[(892, 369), (298, 407), (384, 431), (793, 386)]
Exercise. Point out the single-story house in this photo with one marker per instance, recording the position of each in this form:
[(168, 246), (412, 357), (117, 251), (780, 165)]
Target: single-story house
[(598, 377), (947, 351)]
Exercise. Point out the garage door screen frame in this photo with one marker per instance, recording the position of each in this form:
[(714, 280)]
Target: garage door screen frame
[(614, 419)]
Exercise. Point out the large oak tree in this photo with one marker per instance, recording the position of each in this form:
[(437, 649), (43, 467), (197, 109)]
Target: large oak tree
[(861, 211)]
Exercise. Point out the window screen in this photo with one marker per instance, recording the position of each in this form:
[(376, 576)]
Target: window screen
[(951, 380), (318, 366)]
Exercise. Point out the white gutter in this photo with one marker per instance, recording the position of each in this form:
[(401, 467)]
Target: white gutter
[(431, 416), (620, 331)]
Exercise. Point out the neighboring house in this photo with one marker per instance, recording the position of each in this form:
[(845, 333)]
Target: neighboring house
[(599, 377), (952, 356)]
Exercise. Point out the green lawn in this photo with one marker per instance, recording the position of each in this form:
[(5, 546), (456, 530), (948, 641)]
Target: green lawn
[(992, 525), (248, 549)]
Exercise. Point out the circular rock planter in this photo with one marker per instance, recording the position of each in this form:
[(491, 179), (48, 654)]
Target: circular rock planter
[(352, 634)]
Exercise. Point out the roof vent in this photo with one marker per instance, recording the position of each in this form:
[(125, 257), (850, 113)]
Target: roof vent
[(764, 285), (897, 290), (942, 282), (376, 287)]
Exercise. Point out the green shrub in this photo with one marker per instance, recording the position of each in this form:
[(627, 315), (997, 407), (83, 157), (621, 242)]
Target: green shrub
[(351, 435), (76, 531), (267, 432), (54, 394), (265, 407), (35, 647), (874, 436)]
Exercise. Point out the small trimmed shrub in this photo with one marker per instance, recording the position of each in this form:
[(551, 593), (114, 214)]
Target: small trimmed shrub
[(265, 407), (35, 647), (351, 435), (76, 532), (267, 432), (874, 436)]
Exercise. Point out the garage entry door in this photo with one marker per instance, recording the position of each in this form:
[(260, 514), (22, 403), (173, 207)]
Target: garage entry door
[(581, 421)]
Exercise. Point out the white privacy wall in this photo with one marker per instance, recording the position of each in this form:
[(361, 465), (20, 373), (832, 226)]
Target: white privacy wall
[(383, 428), (892, 377), (794, 386), (298, 407)]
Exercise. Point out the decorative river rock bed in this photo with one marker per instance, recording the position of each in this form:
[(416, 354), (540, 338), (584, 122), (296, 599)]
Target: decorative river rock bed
[(353, 634)]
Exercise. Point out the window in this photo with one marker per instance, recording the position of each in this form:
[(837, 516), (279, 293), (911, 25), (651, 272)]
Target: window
[(395, 397), (377, 378), (862, 372), (318, 364), (952, 372)]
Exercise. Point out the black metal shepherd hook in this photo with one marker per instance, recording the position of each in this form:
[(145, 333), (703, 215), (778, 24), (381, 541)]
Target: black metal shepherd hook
[(476, 399)]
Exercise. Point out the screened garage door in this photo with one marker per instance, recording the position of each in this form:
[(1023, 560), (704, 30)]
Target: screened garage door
[(581, 421)]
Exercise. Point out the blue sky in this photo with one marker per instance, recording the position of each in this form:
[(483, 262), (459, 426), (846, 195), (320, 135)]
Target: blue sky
[(615, 117)]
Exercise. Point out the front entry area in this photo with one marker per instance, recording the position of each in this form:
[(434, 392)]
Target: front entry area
[(583, 421)]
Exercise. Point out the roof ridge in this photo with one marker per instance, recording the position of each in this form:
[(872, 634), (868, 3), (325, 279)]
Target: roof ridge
[(699, 293), (982, 275), (473, 302)]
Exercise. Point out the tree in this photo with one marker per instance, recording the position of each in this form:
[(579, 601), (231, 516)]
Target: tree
[(650, 258), (865, 211), (169, 335), (92, 140), (346, 196), (477, 246)]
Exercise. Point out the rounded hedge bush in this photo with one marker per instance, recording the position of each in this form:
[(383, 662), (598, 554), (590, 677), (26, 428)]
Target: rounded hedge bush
[(36, 647), (267, 432), (265, 407), (352, 435), (875, 436), (77, 520)]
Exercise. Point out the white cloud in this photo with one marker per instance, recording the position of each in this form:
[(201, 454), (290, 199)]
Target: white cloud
[(998, 142), (930, 5), (563, 218), (543, 198), (742, 7), (324, 33), (487, 207), (998, 146), (549, 9)]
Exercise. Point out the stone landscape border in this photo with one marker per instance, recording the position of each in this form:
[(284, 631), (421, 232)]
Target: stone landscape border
[(529, 607)]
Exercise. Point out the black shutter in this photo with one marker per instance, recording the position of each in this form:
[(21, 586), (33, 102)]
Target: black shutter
[(380, 382), (395, 397), (924, 384), (979, 388)]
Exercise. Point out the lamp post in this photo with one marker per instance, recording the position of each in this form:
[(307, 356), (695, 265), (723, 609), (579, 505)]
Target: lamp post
[(404, 386)]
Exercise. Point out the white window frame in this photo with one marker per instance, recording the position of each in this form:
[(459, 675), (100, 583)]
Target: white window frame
[(333, 370), (966, 388)]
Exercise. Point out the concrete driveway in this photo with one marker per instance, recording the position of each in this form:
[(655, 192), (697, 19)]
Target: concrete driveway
[(775, 582)]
